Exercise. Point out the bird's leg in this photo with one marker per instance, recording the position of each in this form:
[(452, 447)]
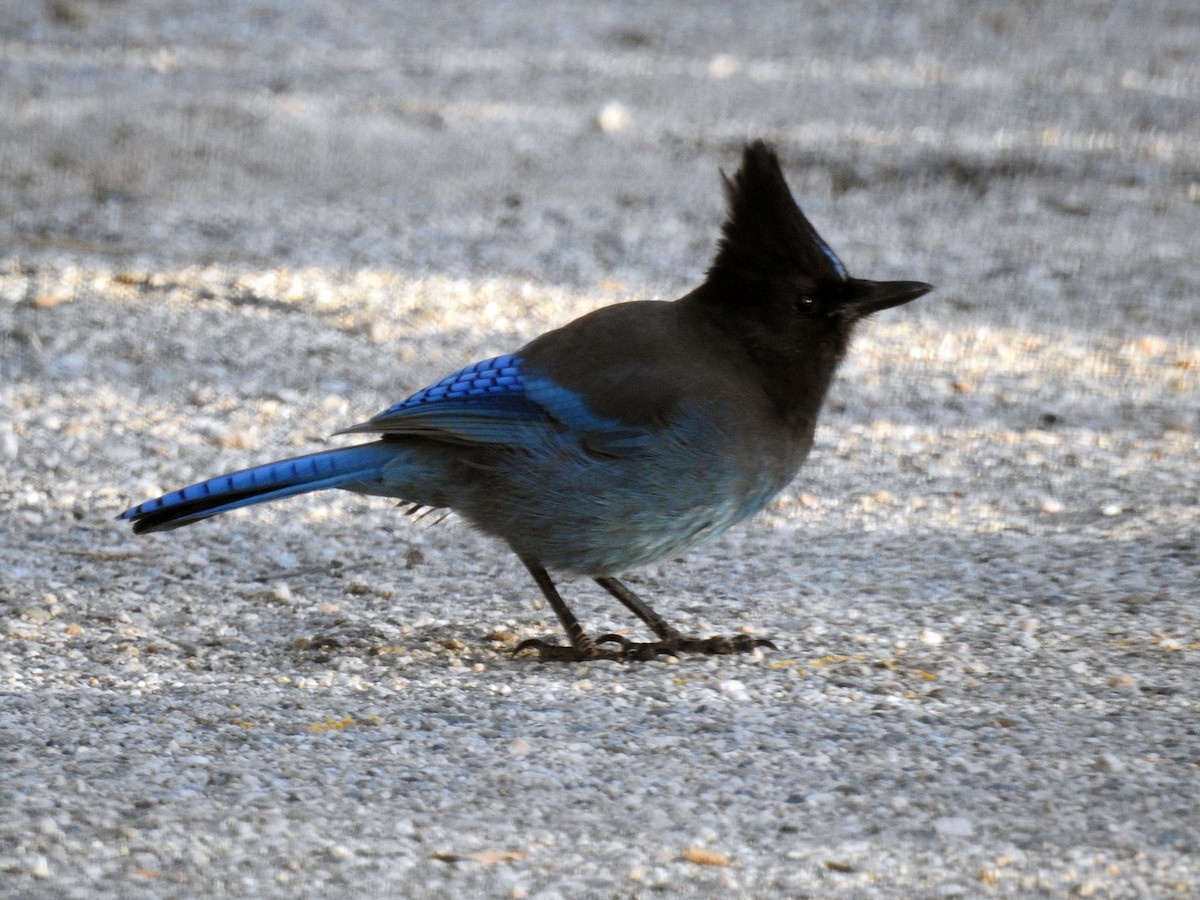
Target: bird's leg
[(670, 641), (639, 608), (582, 647)]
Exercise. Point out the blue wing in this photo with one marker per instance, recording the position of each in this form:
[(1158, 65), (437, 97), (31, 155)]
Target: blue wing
[(500, 401)]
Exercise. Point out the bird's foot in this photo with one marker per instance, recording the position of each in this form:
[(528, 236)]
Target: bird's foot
[(558, 653), (717, 645), (675, 644)]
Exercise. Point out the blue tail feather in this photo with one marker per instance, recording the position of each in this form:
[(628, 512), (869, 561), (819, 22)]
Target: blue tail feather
[(260, 484)]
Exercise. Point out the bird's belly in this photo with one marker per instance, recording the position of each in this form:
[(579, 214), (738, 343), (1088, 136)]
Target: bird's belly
[(607, 516)]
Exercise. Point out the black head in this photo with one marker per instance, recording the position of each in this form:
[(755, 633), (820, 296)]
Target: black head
[(776, 282)]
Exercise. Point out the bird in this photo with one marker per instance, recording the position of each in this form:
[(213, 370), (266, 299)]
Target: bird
[(624, 437)]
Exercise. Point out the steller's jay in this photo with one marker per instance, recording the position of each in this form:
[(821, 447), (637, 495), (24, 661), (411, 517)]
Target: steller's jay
[(629, 435)]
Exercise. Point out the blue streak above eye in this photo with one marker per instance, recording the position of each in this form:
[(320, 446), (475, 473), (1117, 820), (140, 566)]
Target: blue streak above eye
[(838, 266)]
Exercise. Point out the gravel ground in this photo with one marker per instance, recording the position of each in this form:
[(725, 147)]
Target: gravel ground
[(225, 236)]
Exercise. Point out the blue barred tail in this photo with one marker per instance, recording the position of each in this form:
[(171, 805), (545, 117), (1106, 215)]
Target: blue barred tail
[(273, 481)]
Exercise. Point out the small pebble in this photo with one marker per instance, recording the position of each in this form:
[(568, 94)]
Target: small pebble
[(613, 117)]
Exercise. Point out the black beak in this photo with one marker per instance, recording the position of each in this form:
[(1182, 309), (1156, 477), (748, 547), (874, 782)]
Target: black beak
[(865, 297)]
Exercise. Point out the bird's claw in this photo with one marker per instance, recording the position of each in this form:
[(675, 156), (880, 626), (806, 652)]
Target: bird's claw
[(718, 644), (681, 643), (638, 650), (559, 653)]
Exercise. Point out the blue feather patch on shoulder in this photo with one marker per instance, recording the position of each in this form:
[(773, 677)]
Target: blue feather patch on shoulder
[(497, 402), (488, 378)]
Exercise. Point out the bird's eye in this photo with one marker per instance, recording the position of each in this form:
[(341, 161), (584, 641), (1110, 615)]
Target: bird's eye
[(805, 302)]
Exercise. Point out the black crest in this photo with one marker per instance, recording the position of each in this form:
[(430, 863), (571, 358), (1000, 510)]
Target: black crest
[(765, 233)]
